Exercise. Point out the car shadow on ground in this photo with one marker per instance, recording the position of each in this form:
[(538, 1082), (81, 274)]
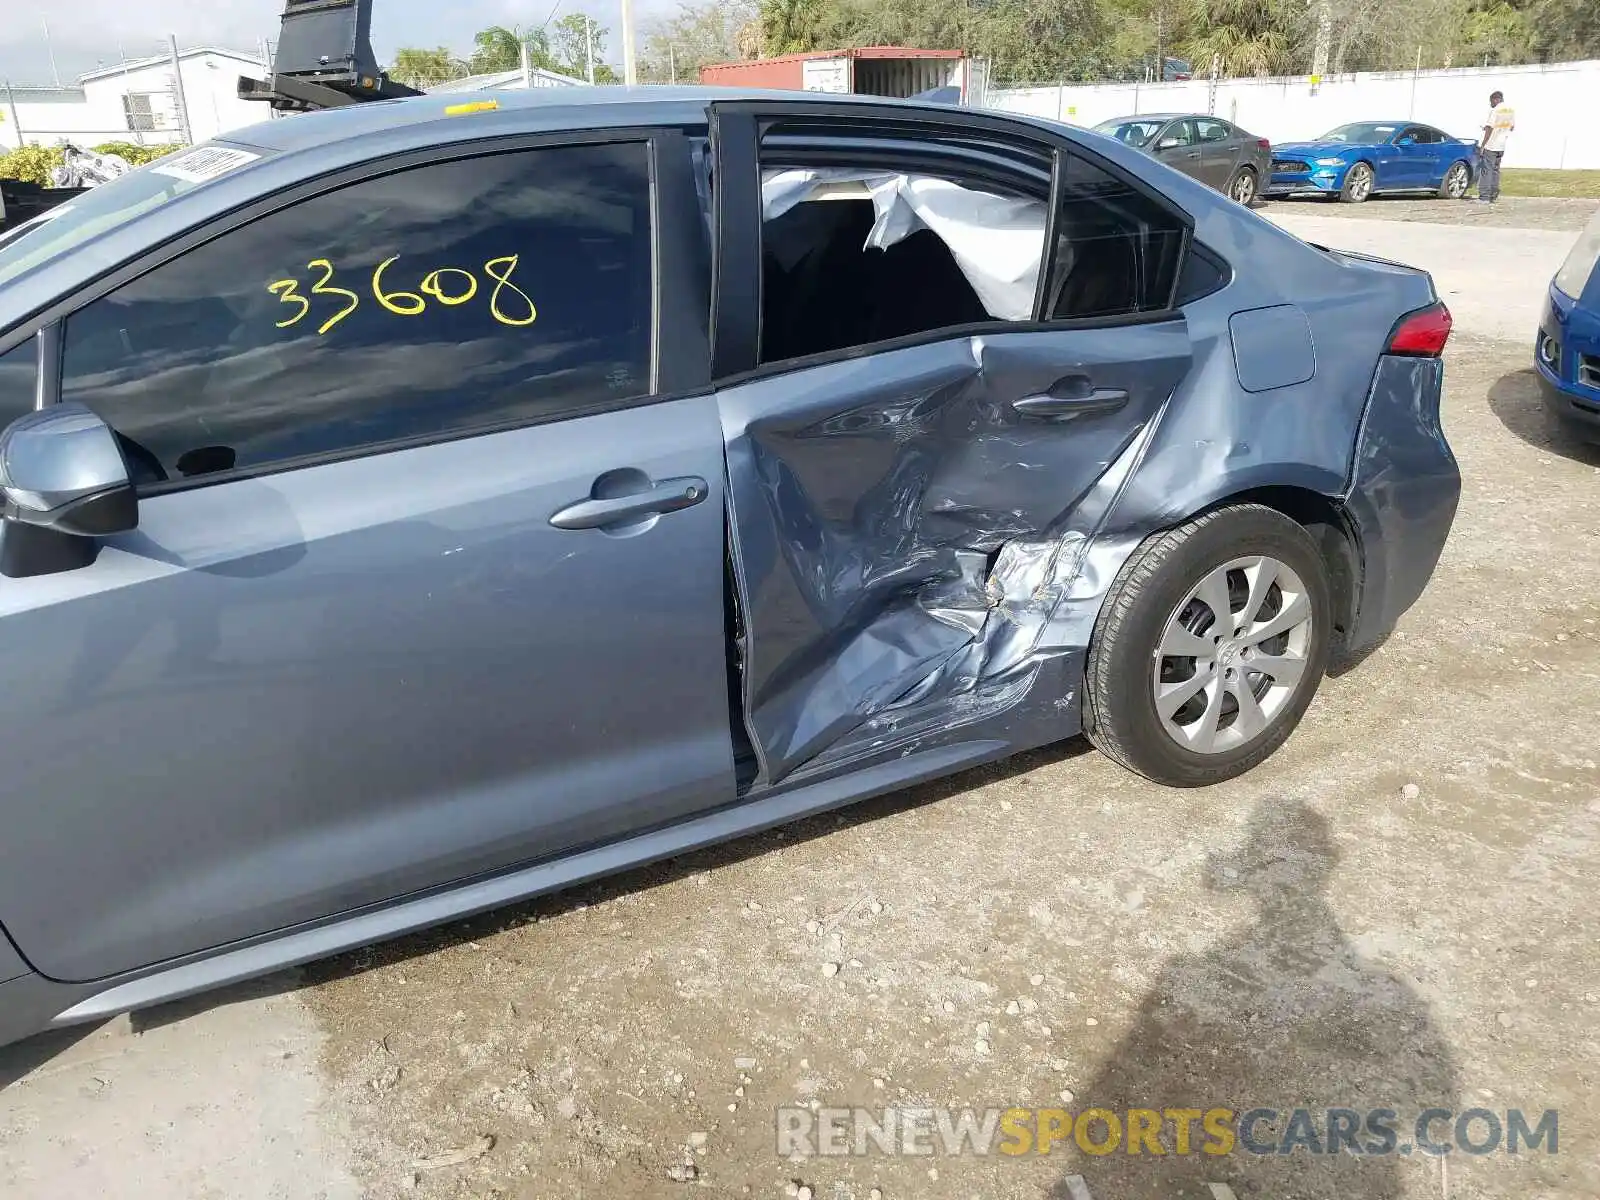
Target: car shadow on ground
[(1284, 1014), (23, 1057), (1517, 400)]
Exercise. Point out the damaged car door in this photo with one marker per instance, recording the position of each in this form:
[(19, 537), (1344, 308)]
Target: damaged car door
[(920, 404)]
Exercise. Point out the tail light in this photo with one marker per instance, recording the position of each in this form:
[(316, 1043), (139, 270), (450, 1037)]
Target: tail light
[(1263, 143), (1423, 333)]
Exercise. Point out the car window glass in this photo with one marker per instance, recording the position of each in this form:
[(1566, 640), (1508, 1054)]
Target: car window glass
[(1132, 133), (19, 373), (1179, 133), (1213, 131), (1118, 251), (854, 256), (441, 299), (102, 209)]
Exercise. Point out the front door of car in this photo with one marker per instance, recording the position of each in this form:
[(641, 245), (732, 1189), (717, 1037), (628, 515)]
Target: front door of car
[(1178, 146), (907, 445), (1406, 161), (428, 575)]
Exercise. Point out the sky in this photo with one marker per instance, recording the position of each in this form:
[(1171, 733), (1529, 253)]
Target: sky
[(87, 33)]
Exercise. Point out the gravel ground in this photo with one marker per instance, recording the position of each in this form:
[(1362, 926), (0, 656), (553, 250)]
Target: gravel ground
[(1509, 212), (1397, 910)]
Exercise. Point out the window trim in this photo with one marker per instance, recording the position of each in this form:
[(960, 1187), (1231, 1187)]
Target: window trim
[(32, 342), (1181, 123), (679, 359), (735, 226)]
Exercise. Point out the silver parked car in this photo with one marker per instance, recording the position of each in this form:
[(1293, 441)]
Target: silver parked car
[(416, 506), (1214, 151)]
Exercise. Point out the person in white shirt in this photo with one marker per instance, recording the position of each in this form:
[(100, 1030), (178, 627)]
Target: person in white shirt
[(1497, 129)]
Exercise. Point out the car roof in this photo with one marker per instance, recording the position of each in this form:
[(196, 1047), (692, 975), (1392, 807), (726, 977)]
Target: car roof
[(533, 109), (1172, 116)]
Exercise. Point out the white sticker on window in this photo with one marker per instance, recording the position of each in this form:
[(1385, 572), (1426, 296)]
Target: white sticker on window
[(207, 162)]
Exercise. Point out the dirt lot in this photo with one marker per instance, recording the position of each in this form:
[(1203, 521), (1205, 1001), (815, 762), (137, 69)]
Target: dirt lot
[(1509, 212), (1397, 911)]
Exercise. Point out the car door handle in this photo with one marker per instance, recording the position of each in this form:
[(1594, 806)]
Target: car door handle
[(667, 496), (1081, 402)]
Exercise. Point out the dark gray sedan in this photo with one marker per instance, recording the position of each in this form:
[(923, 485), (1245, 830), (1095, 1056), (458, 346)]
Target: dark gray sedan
[(417, 506), (1209, 149)]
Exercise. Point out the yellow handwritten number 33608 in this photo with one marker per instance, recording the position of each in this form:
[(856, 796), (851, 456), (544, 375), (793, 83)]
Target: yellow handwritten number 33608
[(449, 286)]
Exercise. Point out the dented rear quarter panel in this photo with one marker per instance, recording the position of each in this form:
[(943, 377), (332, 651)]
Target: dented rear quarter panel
[(958, 596)]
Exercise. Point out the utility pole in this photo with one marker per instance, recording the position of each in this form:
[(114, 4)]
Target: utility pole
[(50, 50), (1161, 51), (526, 64), (588, 37), (672, 63), (630, 67), (177, 92)]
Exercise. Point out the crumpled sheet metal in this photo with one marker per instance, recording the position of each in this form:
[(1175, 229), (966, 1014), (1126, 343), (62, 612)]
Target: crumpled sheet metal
[(926, 599)]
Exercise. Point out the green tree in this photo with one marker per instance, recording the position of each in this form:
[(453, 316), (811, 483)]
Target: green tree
[(697, 35), (569, 47), (1251, 37), (424, 68), (500, 49)]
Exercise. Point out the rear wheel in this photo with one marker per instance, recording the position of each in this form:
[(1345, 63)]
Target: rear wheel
[(1209, 647), (1357, 184), (1455, 182), (1242, 188)]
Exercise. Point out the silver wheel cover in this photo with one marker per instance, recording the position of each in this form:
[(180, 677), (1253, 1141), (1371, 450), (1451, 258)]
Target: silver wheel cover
[(1232, 656)]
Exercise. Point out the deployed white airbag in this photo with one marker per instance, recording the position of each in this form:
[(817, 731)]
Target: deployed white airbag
[(997, 241)]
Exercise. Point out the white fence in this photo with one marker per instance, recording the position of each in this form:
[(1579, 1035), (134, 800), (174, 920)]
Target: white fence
[(1555, 105)]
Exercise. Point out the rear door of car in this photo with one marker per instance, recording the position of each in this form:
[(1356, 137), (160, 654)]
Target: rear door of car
[(1221, 149), (904, 464), (428, 577)]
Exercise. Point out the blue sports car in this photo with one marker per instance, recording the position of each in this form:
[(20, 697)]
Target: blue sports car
[(1567, 354), (1354, 161)]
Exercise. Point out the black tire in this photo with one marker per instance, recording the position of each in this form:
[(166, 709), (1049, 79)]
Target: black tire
[(1119, 705), (1353, 192), (1449, 188), (1242, 188)]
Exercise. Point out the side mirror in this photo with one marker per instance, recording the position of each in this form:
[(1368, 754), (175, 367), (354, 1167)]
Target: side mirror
[(1170, 143), (63, 482), (1406, 141)]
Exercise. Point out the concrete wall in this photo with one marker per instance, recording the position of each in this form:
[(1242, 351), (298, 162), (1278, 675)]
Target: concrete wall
[(1555, 105), (93, 112)]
